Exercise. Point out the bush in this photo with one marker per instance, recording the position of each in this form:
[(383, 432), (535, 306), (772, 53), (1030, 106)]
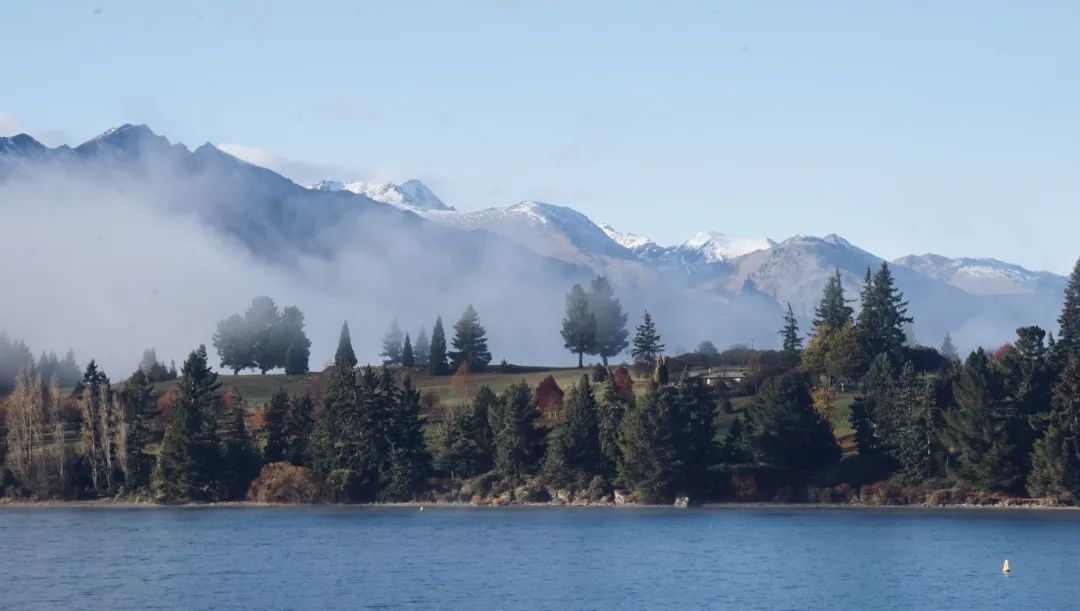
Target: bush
[(281, 482)]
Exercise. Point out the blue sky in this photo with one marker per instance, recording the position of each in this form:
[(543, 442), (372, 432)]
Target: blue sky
[(906, 127)]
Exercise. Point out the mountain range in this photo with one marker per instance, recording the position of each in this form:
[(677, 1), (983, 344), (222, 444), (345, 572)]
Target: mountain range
[(712, 286)]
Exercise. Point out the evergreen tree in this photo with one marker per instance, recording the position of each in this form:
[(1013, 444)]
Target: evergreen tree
[(1068, 341), (299, 427), (579, 325), (647, 344), (786, 431), (517, 440), (277, 415), (437, 352), (94, 405), (792, 343), (611, 410), (137, 418), (408, 458), (183, 470), (345, 357), (293, 341), (611, 332), (695, 423), (392, 345), (297, 356), (239, 462), (910, 424), (556, 466), (833, 311), (948, 349), (868, 409), (580, 433), (342, 437), (978, 431), (456, 442), (408, 359), (470, 343), (648, 457), (422, 348), (1053, 465), (882, 317)]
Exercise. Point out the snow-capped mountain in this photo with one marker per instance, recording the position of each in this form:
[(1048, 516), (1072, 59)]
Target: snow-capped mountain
[(715, 247), (982, 276), (411, 194)]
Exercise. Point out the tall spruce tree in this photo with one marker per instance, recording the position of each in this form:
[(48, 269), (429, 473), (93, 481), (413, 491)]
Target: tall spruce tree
[(648, 456), (695, 425), (611, 409), (277, 415), (345, 357), (979, 430), (1055, 457), (882, 317), (1068, 341), (457, 450), (139, 409), (786, 431), (611, 332), (833, 311), (422, 348), (437, 353), (579, 324), (789, 334), (189, 449), (517, 440), (646, 343), (407, 454), (299, 427), (393, 342), (581, 430), (470, 342), (238, 461), (408, 359)]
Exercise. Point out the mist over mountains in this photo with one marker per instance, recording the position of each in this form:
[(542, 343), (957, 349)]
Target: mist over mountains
[(129, 241)]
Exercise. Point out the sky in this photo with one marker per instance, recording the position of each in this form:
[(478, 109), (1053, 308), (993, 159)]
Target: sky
[(906, 127)]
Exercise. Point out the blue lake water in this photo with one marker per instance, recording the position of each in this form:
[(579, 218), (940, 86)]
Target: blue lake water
[(536, 558)]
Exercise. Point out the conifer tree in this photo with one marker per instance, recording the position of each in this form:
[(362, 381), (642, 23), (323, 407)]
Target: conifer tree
[(138, 410), (517, 440), (408, 458), (882, 317), (1053, 465), (95, 405), (580, 433), (345, 357), (408, 359), (457, 449), (437, 353), (833, 311), (868, 410), (695, 422), (948, 349), (188, 451), (647, 344), (277, 414), (239, 462), (579, 325), (1068, 341), (470, 342), (786, 431), (610, 414), (422, 348), (611, 332), (792, 343), (647, 452), (978, 431), (293, 340), (299, 427), (392, 345)]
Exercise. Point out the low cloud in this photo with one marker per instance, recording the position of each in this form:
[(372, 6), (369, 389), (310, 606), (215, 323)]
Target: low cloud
[(300, 172)]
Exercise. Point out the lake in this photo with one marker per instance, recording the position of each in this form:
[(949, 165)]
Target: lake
[(536, 558)]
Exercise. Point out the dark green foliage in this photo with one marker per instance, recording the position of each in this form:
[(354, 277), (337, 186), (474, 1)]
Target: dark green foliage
[(980, 430), (517, 440), (154, 370), (407, 458), (189, 449), (647, 344), (579, 324), (437, 352), (786, 431), (736, 449), (611, 410), (234, 344), (299, 426), (789, 334), (611, 332), (580, 433), (910, 424), (470, 343), (647, 448), (342, 439), (833, 311), (882, 317), (392, 345), (866, 412), (1068, 341), (289, 332), (239, 462), (457, 442), (139, 408), (1029, 378), (345, 357), (408, 359), (1053, 465), (277, 415), (695, 434)]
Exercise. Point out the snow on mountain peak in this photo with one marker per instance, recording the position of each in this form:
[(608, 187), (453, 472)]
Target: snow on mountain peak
[(411, 194), (629, 241), (715, 246)]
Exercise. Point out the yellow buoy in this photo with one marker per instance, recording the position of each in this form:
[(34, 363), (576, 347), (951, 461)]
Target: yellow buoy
[(1005, 569)]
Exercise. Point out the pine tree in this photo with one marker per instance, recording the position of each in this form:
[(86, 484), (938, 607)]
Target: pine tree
[(277, 414), (299, 427), (437, 352), (1068, 341), (183, 470), (611, 410), (611, 332), (342, 437), (345, 357), (392, 345), (869, 409), (910, 424), (239, 462), (648, 458), (137, 418), (948, 349), (695, 422), (882, 317), (408, 458), (422, 348), (978, 430), (792, 343), (517, 440), (1053, 465), (580, 433), (579, 325), (95, 405), (786, 431), (408, 359), (470, 342), (647, 344), (456, 442), (833, 311)]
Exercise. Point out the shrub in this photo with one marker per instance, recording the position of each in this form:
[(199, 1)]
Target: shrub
[(281, 482)]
